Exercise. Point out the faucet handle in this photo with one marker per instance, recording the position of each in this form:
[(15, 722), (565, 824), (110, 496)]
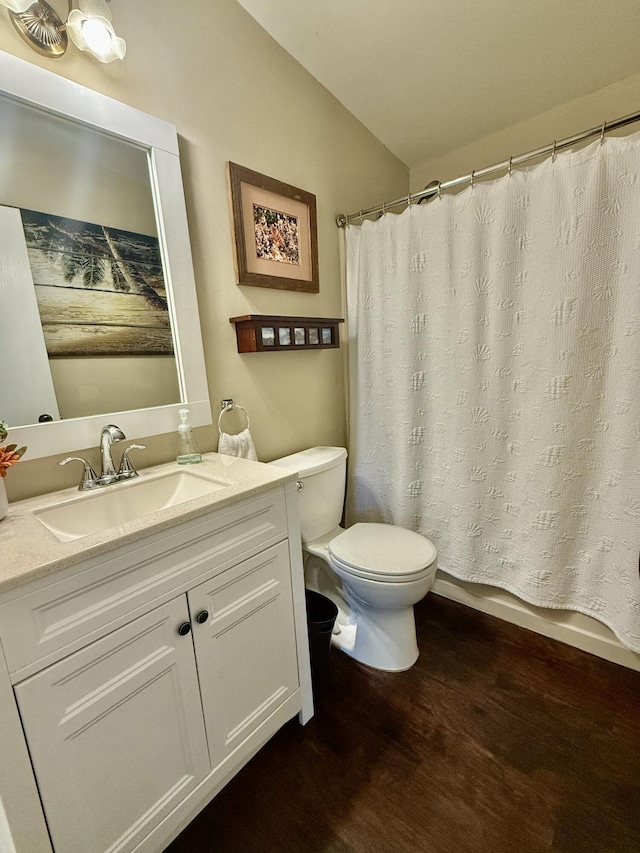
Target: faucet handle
[(127, 471), (89, 478)]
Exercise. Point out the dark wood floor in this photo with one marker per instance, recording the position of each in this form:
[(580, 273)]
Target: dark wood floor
[(497, 740)]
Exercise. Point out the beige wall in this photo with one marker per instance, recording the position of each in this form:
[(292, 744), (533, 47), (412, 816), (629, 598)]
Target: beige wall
[(619, 99), (234, 94), (52, 166)]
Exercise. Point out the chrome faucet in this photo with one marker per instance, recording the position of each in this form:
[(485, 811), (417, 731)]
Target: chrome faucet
[(90, 480), (108, 436)]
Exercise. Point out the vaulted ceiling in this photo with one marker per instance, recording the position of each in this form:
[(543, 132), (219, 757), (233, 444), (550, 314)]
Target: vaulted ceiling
[(429, 76)]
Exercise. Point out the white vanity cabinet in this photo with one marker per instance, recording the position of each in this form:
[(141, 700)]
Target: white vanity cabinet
[(115, 733), (145, 678), (245, 648)]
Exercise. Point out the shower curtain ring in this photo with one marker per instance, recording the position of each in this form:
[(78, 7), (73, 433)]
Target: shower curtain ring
[(473, 179), (440, 190), (510, 165), (602, 132), (409, 200), (553, 152), (361, 219)]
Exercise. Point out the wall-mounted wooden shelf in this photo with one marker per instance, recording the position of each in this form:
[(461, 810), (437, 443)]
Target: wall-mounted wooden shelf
[(272, 333)]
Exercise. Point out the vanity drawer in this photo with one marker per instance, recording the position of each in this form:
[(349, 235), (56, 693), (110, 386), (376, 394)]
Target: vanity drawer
[(55, 616)]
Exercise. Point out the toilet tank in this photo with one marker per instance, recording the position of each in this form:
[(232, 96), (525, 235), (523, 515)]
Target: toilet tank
[(322, 471)]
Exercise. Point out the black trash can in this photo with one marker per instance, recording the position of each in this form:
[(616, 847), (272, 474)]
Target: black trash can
[(321, 617)]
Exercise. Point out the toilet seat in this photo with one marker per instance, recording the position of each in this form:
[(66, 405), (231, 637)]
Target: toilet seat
[(382, 552)]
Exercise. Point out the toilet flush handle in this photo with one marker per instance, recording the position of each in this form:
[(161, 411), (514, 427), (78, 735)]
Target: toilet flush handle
[(299, 485)]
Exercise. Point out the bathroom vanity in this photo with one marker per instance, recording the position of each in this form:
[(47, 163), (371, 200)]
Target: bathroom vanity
[(144, 664), (152, 632)]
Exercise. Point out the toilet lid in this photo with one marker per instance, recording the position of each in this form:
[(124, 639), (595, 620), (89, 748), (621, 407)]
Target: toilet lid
[(382, 550)]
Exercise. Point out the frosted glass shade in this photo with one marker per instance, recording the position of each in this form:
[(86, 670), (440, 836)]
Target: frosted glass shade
[(90, 29)]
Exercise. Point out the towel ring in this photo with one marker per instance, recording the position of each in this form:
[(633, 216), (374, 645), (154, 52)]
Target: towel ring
[(230, 409)]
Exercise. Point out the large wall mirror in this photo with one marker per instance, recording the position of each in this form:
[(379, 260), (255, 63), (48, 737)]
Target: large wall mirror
[(99, 318)]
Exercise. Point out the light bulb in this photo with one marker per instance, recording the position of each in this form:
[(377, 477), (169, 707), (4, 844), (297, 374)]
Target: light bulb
[(95, 34)]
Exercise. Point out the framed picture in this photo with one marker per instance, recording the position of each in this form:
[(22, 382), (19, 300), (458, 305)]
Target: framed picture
[(274, 232)]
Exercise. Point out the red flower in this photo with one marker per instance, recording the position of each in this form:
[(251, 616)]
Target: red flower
[(9, 456)]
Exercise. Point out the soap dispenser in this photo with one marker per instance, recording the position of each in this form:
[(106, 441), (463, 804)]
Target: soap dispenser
[(188, 452)]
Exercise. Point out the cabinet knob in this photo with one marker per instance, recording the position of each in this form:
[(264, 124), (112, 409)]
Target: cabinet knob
[(202, 616), (184, 629)]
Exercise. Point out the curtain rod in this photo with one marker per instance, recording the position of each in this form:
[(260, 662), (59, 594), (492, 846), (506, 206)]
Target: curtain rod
[(342, 220)]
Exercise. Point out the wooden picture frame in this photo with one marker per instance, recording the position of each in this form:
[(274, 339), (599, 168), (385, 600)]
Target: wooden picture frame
[(275, 238)]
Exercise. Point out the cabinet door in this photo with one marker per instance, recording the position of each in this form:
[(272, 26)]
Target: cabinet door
[(245, 649), (116, 733)]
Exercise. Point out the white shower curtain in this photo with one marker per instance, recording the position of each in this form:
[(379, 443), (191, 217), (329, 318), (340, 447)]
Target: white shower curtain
[(494, 349)]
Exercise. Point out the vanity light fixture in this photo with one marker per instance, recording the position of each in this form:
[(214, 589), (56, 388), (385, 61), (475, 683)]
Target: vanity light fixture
[(89, 27)]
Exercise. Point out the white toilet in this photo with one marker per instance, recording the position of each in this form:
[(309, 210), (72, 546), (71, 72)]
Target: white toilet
[(374, 573)]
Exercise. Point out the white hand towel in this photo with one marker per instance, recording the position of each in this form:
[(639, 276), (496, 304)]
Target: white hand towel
[(237, 445)]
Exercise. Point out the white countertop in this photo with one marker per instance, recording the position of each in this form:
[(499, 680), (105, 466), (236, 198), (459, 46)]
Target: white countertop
[(29, 551)]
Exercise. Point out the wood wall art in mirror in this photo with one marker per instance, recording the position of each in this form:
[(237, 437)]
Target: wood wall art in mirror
[(274, 225), (100, 290)]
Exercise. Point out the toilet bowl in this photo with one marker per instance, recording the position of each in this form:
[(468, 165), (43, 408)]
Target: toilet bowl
[(374, 573)]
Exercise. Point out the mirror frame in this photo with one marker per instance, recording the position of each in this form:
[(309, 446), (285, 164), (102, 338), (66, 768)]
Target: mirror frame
[(36, 87)]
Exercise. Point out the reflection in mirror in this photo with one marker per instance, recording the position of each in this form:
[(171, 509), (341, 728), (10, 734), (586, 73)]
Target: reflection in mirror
[(84, 327), (105, 165)]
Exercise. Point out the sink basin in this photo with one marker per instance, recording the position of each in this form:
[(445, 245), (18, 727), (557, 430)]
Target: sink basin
[(123, 502)]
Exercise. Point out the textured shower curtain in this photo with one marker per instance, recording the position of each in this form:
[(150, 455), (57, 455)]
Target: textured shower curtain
[(494, 349)]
